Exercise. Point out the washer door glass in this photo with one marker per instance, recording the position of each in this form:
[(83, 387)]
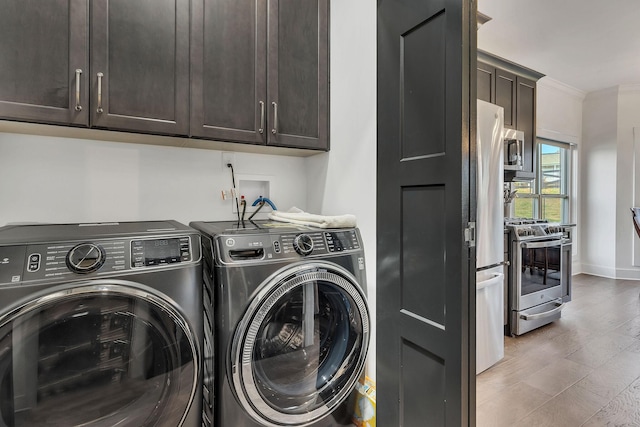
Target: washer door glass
[(301, 345), (96, 356)]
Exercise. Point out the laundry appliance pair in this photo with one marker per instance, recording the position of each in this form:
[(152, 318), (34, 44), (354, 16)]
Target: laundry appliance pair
[(289, 323)]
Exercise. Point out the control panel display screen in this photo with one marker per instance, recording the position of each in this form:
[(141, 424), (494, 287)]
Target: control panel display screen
[(146, 253), (342, 241)]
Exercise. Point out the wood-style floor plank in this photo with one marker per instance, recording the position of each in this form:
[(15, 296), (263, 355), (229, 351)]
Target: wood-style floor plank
[(582, 370)]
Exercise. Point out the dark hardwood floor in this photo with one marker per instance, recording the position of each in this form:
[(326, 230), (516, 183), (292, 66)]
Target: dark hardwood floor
[(582, 370)]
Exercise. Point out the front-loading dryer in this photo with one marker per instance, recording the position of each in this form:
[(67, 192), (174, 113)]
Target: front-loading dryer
[(290, 319), (101, 325)]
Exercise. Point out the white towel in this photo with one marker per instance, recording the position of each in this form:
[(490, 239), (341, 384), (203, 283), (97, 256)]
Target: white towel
[(297, 216)]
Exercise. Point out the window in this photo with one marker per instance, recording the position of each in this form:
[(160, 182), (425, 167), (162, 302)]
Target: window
[(548, 195)]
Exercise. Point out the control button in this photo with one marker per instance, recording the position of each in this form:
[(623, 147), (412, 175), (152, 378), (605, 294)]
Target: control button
[(34, 263), (85, 258), (303, 244), (276, 246)]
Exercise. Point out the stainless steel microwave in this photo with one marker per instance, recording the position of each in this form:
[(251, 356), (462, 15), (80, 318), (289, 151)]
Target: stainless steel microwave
[(513, 149)]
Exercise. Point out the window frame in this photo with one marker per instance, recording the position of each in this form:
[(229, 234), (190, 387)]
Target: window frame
[(566, 185)]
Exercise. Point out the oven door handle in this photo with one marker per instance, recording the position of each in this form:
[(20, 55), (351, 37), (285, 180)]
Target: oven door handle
[(559, 306), (545, 244)]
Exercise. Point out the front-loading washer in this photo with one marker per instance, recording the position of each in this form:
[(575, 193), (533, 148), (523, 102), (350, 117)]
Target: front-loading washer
[(101, 325), (290, 320)]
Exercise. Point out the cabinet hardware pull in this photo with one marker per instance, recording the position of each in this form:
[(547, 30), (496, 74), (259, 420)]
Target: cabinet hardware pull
[(261, 130), (78, 74), (274, 130), (100, 76)]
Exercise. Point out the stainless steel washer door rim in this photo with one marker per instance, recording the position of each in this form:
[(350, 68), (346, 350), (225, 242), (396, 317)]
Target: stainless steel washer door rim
[(301, 345), (121, 346)]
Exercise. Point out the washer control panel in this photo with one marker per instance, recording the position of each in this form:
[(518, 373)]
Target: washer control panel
[(258, 247), (99, 257), (149, 252)]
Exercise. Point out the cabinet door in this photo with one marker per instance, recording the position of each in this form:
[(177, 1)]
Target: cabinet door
[(229, 70), (298, 73), (505, 96), (42, 44), (140, 65), (526, 119), (486, 82)]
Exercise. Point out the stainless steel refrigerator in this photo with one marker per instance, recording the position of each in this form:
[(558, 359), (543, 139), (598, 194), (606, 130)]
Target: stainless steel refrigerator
[(489, 237)]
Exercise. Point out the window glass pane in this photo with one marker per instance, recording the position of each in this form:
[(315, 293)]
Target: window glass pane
[(552, 169), (553, 179), (552, 208), (525, 187), (524, 207)]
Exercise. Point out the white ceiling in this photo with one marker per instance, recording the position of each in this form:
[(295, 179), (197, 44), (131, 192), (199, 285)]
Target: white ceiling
[(586, 44)]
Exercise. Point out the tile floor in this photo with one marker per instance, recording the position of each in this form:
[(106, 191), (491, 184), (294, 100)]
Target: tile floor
[(582, 370)]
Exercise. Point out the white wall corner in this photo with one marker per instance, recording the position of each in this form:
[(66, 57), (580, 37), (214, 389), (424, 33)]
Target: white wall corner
[(629, 88)]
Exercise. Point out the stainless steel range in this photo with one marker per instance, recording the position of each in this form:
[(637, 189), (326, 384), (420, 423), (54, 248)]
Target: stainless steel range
[(540, 276)]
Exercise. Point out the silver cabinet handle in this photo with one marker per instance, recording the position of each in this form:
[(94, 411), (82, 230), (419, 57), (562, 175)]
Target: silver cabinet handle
[(274, 130), (78, 74), (261, 130), (100, 76)]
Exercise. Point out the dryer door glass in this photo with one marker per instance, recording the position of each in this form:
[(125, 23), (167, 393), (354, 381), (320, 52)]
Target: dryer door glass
[(96, 356), (304, 347)]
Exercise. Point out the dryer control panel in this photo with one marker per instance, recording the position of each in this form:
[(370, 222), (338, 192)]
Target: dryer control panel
[(97, 257)]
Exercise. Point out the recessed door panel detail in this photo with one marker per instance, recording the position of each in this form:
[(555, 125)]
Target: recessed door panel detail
[(423, 96), (423, 387), (142, 42), (423, 259)]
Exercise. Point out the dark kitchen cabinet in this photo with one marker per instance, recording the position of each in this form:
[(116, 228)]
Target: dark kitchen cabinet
[(513, 87), (260, 72), (486, 82), (44, 61), (506, 96), (526, 119), (140, 65)]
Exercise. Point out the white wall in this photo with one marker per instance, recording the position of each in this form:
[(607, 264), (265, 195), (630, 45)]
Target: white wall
[(627, 176), (52, 179), (344, 179), (559, 118), (598, 175)]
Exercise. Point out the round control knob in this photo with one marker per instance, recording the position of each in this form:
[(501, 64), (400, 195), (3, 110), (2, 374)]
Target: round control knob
[(85, 258), (303, 244)]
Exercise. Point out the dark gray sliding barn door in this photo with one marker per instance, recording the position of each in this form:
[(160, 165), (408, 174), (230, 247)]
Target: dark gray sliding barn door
[(426, 198)]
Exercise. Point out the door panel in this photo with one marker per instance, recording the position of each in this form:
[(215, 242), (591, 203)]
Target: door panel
[(423, 62), (298, 73), (506, 96), (42, 44), (486, 82), (526, 111), (425, 282), (142, 50), (229, 70)]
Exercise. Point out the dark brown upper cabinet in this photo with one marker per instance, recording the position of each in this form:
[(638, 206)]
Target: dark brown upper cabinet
[(140, 65), (513, 87), (260, 72), (134, 77), (44, 63)]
